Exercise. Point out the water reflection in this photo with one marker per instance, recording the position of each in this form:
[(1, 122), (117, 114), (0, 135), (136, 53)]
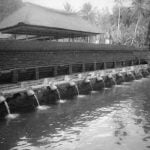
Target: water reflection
[(116, 118)]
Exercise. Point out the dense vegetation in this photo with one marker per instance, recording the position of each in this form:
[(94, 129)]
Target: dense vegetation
[(8, 6), (126, 25)]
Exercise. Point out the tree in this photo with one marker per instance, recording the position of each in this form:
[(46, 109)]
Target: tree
[(148, 36), (126, 16), (119, 4), (8, 6), (88, 13), (68, 7), (104, 20), (125, 25), (140, 10)]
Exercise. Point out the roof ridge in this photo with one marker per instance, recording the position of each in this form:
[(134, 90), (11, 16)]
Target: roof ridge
[(50, 9), (32, 14)]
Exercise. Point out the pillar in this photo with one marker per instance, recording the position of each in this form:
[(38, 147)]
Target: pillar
[(83, 67), (15, 76), (55, 71), (105, 65), (114, 64), (70, 69), (95, 66), (123, 64), (139, 62), (132, 63), (36, 73)]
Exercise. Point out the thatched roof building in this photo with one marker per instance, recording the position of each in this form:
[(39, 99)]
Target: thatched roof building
[(32, 19)]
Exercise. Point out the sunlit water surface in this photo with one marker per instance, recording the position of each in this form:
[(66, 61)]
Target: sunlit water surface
[(113, 119)]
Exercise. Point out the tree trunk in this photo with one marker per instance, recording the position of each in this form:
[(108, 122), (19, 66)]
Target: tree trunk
[(135, 31), (118, 31), (148, 37)]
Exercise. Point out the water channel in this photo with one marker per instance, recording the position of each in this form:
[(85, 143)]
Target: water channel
[(116, 118)]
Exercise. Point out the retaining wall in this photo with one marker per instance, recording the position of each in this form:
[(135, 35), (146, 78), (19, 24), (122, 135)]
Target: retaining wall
[(19, 99), (30, 60)]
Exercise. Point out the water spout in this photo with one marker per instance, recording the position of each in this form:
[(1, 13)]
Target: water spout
[(37, 100), (9, 116), (122, 76), (58, 93), (53, 87), (91, 86), (119, 74), (87, 80), (99, 78), (104, 83), (30, 92), (59, 97), (147, 71), (73, 84), (113, 79), (76, 86), (130, 73), (141, 74), (7, 107), (3, 99)]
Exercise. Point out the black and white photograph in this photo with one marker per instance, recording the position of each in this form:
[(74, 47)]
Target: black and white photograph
[(74, 74)]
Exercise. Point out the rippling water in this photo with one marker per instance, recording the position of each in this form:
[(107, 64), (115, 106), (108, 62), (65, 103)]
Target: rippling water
[(113, 119)]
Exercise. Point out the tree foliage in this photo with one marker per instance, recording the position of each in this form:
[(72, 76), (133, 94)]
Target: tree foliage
[(8, 6), (68, 7), (126, 25), (88, 12)]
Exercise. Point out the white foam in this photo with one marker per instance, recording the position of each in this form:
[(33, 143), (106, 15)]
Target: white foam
[(81, 96), (43, 107), (93, 92), (62, 101), (106, 88), (12, 116), (121, 85)]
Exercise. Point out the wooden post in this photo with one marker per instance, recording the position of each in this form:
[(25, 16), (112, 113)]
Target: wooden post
[(36, 73), (139, 62), (70, 69), (95, 66), (55, 71), (15, 76), (114, 64), (122, 64), (132, 63), (83, 67), (105, 65)]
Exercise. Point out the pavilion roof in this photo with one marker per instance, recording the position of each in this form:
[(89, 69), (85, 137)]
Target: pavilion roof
[(33, 19)]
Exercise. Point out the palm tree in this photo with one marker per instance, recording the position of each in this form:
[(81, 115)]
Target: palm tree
[(68, 7), (119, 4), (140, 10), (88, 13)]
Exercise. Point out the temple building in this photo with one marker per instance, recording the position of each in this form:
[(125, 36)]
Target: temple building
[(34, 22)]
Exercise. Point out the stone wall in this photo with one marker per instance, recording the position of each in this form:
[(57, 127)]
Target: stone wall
[(33, 59), (17, 59)]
